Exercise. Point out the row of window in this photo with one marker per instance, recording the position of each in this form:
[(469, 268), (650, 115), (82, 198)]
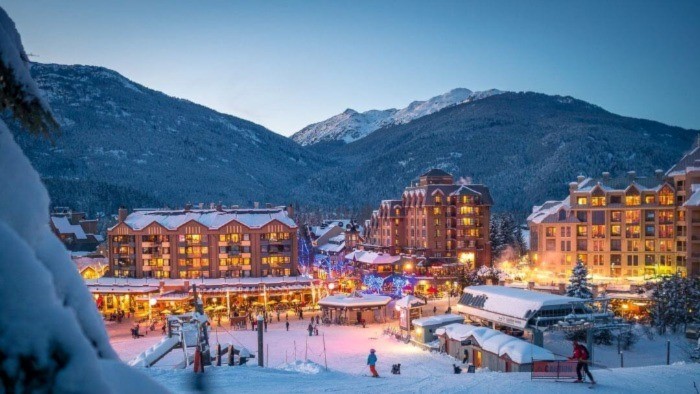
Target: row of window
[(665, 197), (615, 245)]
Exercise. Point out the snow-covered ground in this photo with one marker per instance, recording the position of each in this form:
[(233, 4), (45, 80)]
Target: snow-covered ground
[(422, 371)]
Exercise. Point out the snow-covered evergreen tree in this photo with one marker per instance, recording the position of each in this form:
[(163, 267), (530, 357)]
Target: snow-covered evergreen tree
[(578, 282), (676, 302), (52, 336)]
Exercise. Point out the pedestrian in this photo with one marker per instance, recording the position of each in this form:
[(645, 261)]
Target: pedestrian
[(287, 325), (581, 356), (163, 328), (316, 330), (265, 323), (372, 362), (310, 329), (318, 319), (278, 316), (466, 356), (435, 310)]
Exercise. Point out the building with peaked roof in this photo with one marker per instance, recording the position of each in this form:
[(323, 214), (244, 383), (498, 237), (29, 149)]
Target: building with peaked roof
[(437, 221), (203, 243), (627, 227), (78, 233)]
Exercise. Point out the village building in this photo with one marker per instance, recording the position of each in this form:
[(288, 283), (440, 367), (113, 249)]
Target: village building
[(425, 328), (631, 228), (74, 229), (245, 257), (91, 266), (439, 227), (519, 311), (485, 347)]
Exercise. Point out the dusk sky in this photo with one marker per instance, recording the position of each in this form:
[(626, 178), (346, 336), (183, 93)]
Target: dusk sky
[(287, 64)]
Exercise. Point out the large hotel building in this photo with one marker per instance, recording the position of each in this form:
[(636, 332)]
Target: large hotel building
[(436, 221), (203, 243), (630, 227), (238, 257)]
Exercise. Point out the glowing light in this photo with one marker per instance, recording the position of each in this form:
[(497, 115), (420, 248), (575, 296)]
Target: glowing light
[(152, 301)]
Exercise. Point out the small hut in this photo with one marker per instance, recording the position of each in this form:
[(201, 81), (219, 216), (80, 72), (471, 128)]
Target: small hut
[(484, 347), (424, 330)]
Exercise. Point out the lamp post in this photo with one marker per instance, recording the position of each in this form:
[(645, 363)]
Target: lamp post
[(151, 304), (331, 286)]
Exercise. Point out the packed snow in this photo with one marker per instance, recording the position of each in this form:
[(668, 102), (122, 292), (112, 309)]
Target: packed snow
[(296, 363)]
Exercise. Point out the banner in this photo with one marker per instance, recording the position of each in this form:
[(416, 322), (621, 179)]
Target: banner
[(553, 369)]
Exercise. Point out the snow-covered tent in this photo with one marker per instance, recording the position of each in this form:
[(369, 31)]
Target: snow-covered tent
[(355, 308)]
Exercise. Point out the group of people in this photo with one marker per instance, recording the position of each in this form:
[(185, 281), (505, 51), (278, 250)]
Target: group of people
[(312, 328)]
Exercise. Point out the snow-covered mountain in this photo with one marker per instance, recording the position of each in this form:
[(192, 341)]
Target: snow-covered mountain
[(351, 125)]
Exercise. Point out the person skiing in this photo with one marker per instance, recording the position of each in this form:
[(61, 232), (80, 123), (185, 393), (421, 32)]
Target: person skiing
[(372, 361), (581, 356)]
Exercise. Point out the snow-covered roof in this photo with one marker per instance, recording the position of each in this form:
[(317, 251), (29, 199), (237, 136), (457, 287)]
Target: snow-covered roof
[(355, 300), (438, 320), (332, 248), (408, 301), (496, 342), (368, 257), (513, 302), (64, 226), (210, 218), (694, 199), (94, 262)]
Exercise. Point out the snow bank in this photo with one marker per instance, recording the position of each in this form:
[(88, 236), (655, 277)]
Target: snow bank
[(305, 367)]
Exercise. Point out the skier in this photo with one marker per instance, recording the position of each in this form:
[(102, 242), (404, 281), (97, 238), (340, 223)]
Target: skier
[(581, 356), (287, 325), (372, 361), (310, 329)]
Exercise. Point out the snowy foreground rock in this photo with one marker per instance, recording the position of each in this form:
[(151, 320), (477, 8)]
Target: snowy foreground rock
[(52, 337)]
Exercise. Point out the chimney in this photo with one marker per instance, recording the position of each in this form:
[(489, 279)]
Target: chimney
[(580, 178), (268, 205), (122, 214), (219, 207), (201, 205), (573, 186), (606, 176), (188, 207), (256, 205), (659, 174), (631, 175), (212, 205), (290, 210)]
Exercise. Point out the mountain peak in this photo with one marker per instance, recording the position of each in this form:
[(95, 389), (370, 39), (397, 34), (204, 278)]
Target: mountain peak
[(351, 125)]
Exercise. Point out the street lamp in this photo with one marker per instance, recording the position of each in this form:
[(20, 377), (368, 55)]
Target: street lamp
[(331, 286), (151, 304)]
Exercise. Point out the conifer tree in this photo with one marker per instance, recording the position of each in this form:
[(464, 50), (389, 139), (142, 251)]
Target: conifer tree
[(578, 282)]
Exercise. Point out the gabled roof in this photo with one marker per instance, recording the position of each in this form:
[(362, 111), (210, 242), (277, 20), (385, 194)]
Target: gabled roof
[(690, 160), (209, 218), (436, 172)]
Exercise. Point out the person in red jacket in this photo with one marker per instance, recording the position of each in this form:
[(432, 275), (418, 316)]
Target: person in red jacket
[(581, 356)]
